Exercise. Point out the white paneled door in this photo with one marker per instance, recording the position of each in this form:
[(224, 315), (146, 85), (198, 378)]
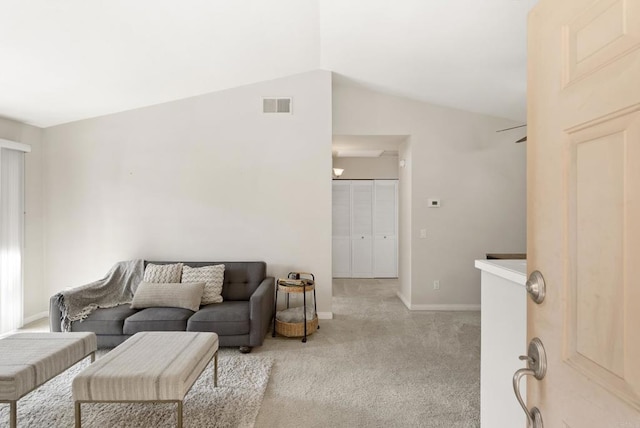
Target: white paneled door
[(385, 224), (362, 227), (583, 212), (365, 223)]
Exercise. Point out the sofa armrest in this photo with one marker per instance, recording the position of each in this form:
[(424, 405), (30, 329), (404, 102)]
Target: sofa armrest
[(55, 315), (261, 311)]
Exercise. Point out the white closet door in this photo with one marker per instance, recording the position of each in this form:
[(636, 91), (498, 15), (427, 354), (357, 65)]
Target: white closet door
[(341, 252), (385, 223), (362, 229)]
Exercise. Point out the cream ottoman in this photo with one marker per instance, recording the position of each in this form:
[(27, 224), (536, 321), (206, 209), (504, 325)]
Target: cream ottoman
[(148, 367), (27, 360)]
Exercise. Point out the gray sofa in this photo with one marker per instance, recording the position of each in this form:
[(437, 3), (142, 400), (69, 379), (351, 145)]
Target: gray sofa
[(242, 319)]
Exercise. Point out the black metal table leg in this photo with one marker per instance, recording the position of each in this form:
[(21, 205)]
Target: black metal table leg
[(315, 304), (304, 313), (275, 310)]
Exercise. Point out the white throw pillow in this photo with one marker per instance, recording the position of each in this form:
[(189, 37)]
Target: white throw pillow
[(163, 273), (170, 295), (213, 278)]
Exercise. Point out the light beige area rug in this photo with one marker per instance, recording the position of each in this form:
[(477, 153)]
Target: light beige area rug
[(242, 380)]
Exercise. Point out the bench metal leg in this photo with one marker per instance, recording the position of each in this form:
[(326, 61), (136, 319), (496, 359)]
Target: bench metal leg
[(179, 414), (93, 357), (13, 414), (78, 415), (215, 369)]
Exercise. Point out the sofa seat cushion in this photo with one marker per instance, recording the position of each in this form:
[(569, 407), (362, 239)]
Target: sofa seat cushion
[(104, 321), (157, 319), (225, 319)]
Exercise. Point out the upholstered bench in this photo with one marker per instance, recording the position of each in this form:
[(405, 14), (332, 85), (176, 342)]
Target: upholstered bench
[(148, 367), (27, 360)]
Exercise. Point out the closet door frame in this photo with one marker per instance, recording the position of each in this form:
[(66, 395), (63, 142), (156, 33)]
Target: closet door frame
[(354, 241)]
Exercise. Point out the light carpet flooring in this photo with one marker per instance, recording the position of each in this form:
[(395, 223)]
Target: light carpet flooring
[(376, 364), (233, 403)]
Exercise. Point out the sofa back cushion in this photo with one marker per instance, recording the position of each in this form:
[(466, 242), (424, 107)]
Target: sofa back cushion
[(241, 279)]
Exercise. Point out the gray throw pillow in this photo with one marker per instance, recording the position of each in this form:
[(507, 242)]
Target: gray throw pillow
[(185, 295)]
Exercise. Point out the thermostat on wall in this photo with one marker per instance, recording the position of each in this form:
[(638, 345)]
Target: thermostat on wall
[(433, 203)]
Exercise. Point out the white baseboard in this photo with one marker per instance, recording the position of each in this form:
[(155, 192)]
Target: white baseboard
[(35, 317), (404, 300), (325, 315), (445, 307), (436, 307)]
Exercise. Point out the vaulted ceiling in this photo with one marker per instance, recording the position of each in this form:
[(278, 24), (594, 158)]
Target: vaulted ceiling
[(67, 60)]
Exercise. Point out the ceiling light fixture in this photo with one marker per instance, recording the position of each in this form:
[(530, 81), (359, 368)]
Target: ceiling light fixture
[(338, 172)]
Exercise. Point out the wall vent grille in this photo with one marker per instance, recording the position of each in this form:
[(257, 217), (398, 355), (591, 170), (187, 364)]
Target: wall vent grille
[(276, 105)]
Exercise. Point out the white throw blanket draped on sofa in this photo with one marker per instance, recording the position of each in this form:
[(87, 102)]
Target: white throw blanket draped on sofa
[(116, 288)]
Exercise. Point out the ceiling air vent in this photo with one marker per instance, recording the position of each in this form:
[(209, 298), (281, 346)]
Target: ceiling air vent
[(276, 105)]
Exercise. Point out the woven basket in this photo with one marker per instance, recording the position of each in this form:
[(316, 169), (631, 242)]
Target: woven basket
[(296, 329)]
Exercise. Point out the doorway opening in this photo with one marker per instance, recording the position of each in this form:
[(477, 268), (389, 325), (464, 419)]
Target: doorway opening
[(370, 186)]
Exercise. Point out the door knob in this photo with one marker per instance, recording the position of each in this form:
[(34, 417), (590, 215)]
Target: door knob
[(536, 367), (536, 286)]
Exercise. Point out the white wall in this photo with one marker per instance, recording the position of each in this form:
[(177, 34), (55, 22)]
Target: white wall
[(34, 304), (204, 178), (383, 167), (456, 156)]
